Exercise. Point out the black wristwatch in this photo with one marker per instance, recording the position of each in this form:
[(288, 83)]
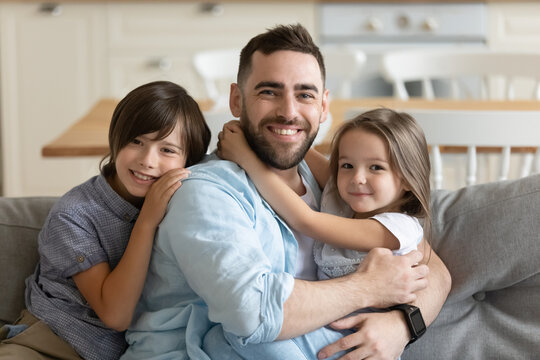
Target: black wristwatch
[(414, 320)]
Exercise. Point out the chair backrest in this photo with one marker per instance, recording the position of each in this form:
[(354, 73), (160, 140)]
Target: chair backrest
[(493, 70), (343, 65), (478, 128), (218, 69)]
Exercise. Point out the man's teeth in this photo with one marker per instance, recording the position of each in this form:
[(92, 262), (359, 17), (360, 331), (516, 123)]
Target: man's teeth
[(142, 177), (285, 131)]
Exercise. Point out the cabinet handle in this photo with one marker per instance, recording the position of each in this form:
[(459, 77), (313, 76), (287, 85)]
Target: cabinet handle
[(214, 9), (51, 9), (161, 63)]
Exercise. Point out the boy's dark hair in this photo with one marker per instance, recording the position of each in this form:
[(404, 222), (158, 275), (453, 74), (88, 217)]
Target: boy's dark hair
[(282, 37), (157, 107)]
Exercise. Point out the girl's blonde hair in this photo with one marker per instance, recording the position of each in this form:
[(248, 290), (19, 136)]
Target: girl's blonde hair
[(408, 156)]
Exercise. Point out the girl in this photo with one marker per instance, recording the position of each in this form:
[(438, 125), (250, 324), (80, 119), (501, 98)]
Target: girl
[(379, 187), (96, 243)]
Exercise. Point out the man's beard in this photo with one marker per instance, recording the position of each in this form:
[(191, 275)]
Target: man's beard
[(283, 156)]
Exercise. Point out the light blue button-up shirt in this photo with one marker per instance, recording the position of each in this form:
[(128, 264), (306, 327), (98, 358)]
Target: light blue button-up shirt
[(221, 255)]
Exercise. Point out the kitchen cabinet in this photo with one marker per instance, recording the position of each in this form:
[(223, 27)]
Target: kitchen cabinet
[(514, 26), (57, 61), (52, 70), (157, 41)]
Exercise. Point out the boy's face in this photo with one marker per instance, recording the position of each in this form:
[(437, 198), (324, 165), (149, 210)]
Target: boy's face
[(144, 160), (281, 105)]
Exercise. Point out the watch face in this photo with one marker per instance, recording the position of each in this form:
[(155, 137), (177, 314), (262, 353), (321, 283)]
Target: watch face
[(418, 322)]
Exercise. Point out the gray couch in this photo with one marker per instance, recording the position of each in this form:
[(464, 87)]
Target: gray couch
[(488, 236)]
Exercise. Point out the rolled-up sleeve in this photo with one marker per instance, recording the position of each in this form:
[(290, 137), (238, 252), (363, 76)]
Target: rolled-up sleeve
[(231, 250)]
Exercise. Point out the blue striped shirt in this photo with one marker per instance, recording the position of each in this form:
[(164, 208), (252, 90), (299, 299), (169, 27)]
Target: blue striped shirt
[(88, 225)]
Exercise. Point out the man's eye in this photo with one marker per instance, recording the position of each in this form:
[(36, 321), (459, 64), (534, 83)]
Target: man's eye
[(307, 96), (266, 92)]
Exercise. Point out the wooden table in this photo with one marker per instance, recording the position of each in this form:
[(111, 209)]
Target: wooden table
[(88, 136), (340, 107)]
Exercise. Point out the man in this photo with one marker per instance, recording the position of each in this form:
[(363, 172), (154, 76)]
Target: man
[(224, 262)]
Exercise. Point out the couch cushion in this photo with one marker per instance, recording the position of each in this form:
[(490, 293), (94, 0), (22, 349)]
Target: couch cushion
[(20, 222), (489, 237)]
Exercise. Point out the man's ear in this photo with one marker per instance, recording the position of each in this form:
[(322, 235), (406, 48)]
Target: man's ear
[(325, 106), (235, 100)]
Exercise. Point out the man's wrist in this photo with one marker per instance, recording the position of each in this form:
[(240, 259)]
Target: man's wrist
[(413, 320)]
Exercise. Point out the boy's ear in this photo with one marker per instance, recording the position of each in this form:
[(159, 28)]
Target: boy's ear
[(235, 100)]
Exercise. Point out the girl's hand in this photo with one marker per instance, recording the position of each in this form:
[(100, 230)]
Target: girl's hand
[(157, 198), (232, 144)]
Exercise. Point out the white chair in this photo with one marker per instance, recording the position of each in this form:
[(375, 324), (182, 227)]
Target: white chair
[(472, 129), (217, 69), (343, 66), (457, 65), (497, 74)]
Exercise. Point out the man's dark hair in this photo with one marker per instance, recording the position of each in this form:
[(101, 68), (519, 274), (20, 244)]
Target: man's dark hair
[(282, 37)]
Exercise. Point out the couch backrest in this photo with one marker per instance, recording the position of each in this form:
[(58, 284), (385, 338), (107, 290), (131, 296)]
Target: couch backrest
[(489, 238), (21, 220)]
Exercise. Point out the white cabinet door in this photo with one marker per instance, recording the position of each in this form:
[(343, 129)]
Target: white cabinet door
[(514, 26), (157, 41), (52, 71)]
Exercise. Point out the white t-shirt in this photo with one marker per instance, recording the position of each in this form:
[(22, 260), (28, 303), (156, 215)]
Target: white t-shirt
[(335, 262), (306, 269)]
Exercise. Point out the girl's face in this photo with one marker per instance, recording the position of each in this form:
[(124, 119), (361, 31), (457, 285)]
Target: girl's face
[(143, 161), (365, 179)]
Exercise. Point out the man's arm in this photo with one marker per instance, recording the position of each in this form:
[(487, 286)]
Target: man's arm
[(380, 281), (377, 334)]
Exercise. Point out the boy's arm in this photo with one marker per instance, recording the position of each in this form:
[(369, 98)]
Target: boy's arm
[(113, 293)]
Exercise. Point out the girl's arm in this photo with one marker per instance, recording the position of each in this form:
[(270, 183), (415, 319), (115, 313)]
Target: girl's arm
[(113, 295), (319, 166), (354, 234)]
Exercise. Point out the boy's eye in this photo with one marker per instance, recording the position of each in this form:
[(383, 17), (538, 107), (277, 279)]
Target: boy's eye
[(136, 141), (168, 151)]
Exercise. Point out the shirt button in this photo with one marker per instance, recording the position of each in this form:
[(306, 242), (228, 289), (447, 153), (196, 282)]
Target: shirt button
[(480, 296), (80, 258)]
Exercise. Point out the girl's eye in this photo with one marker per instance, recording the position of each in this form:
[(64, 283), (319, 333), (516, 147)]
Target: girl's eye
[(136, 141), (376, 167), (346, 166), (168, 151)]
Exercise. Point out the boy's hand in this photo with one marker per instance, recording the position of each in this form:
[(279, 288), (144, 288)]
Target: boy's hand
[(159, 194), (232, 144)]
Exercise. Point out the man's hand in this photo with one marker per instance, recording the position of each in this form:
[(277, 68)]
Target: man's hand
[(388, 280), (378, 336)]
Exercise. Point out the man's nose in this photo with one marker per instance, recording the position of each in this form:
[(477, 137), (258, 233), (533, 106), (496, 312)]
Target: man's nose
[(287, 108)]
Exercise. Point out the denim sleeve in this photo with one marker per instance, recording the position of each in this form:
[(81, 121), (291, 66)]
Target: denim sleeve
[(230, 249)]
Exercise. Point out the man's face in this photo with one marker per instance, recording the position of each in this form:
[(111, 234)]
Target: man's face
[(281, 105)]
